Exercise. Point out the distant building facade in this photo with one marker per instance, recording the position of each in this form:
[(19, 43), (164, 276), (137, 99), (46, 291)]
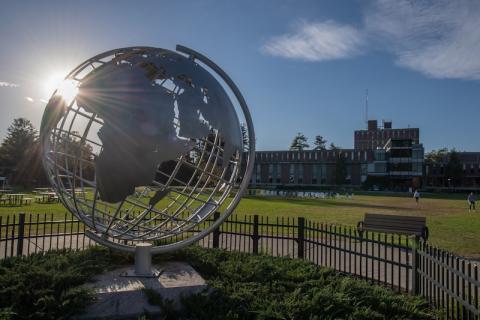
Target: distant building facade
[(435, 173), (376, 137), (392, 159), (398, 165), (309, 167), (386, 156)]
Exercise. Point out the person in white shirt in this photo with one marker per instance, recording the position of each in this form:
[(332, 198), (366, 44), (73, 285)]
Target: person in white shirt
[(416, 195)]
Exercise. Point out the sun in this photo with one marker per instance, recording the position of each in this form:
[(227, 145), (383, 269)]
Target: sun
[(52, 82), (56, 81)]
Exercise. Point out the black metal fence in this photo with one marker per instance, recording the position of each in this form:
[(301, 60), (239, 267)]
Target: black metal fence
[(448, 282)]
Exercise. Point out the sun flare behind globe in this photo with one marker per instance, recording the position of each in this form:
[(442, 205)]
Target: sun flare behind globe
[(56, 82)]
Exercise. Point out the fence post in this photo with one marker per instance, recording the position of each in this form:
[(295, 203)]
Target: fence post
[(301, 237), (216, 232), (21, 233), (255, 235), (415, 264)]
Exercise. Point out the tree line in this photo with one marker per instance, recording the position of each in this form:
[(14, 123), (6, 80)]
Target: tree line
[(300, 143), (452, 166), (21, 155)]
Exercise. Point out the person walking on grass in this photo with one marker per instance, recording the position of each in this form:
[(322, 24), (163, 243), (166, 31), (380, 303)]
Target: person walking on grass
[(416, 195), (471, 201)]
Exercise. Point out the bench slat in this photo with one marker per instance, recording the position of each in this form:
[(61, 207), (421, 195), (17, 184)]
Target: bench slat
[(372, 216), (394, 224), (395, 231)]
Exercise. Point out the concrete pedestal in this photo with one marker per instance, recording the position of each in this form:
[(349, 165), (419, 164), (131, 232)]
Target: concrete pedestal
[(123, 297)]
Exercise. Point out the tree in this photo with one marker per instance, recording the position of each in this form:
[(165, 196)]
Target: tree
[(320, 143), (75, 155), (299, 143), (334, 147), (20, 153), (436, 156), (20, 137), (454, 169)]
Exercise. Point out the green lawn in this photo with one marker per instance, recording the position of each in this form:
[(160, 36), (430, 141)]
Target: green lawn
[(452, 226)]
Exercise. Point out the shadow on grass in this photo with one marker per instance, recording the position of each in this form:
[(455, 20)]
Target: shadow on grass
[(327, 203)]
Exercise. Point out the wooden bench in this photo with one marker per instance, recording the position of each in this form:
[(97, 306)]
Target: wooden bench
[(27, 200), (394, 224)]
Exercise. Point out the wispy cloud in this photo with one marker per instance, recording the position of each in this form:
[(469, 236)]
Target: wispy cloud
[(8, 84), (439, 38), (29, 99), (317, 41)]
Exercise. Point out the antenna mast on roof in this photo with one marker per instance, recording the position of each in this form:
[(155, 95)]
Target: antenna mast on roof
[(366, 108)]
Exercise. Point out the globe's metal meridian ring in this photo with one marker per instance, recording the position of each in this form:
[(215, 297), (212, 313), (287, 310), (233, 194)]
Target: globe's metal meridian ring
[(52, 130)]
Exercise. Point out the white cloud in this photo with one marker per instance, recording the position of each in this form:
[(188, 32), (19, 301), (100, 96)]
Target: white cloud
[(317, 42), (29, 99), (439, 38), (8, 84)]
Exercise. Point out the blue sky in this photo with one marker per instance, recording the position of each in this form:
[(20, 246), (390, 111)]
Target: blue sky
[(303, 66)]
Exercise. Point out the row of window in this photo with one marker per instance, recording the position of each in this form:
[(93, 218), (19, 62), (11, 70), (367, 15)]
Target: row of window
[(296, 173), (390, 133), (472, 169), (309, 155)]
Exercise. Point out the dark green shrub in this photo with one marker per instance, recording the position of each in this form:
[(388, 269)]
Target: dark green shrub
[(47, 286), (242, 286), (246, 286)]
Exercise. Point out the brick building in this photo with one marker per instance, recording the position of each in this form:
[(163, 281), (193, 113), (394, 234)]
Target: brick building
[(376, 137), (308, 168), (470, 162), (398, 165), (392, 158), (383, 156)]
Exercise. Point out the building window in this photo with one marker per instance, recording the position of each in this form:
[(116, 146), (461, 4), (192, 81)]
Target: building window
[(291, 173), (258, 173), (300, 173)]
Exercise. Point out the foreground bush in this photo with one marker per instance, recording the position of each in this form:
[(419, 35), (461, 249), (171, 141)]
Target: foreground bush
[(47, 286), (242, 286), (260, 287)]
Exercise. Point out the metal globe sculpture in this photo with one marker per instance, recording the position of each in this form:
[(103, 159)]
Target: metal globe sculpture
[(145, 144)]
